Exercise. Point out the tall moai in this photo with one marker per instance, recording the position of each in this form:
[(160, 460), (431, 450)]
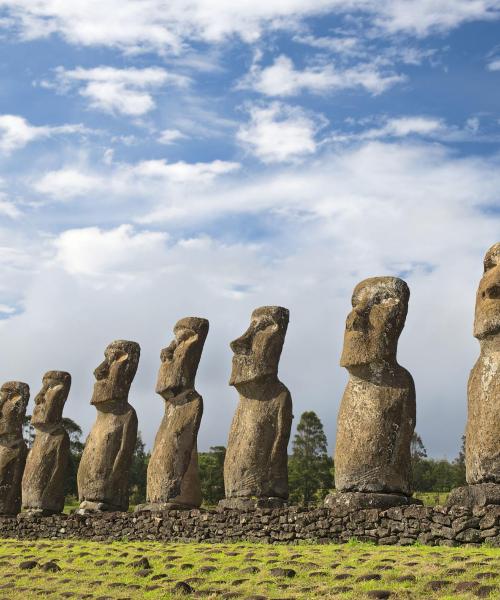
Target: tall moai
[(103, 474), (14, 397), (482, 438), (255, 468), (47, 462), (376, 419), (172, 480)]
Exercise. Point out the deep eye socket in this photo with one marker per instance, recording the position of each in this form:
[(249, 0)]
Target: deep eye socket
[(262, 324)]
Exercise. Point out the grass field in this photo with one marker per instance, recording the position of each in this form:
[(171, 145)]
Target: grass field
[(133, 570)]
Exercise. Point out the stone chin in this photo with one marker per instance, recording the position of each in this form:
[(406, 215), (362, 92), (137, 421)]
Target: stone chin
[(358, 350), (168, 391), (487, 325)]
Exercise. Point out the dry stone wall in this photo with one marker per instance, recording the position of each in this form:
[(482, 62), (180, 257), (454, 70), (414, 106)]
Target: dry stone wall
[(444, 526)]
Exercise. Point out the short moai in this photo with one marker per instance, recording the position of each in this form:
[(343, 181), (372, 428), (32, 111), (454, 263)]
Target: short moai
[(14, 397), (482, 438), (376, 419), (47, 462), (172, 480), (255, 468), (103, 474)]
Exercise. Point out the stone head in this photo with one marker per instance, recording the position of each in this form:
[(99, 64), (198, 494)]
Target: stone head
[(50, 400), (115, 374), (373, 327), (14, 397), (257, 352), (179, 360), (487, 318)]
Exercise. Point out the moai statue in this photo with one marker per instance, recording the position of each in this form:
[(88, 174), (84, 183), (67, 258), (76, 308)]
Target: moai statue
[(103, 474), (482, 439), (255, 468), (173, 481), (45, 472), (14, 397), (376, 419)]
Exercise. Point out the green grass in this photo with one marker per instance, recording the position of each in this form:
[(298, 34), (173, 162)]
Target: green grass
[(105, 570), (432, 498)]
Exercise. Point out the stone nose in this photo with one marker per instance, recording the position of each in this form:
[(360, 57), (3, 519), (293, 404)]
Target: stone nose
[(102, 370), (357, 319), (243, 344)]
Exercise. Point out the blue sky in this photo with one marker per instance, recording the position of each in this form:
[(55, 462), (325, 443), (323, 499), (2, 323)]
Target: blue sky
[(164, 159)]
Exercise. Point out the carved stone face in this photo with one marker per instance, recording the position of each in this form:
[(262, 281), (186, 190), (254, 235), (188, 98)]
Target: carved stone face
[(487, 318), (179, 361), (50, 400), (115, 374), (14, 397), (379, 307), (257, 352)]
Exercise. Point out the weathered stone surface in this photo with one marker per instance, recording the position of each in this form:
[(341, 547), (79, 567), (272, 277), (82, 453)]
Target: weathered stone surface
[(173, 480), (377, 413), (256, 456), (483, 421), (103, 474), (480, 494), (14, 396), (45, 471)]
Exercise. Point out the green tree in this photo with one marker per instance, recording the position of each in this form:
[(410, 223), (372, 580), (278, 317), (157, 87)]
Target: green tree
[(28, 431), (138, 472), (211, 469), (459, 464), (309, 466), (419, 466), (75, 454)]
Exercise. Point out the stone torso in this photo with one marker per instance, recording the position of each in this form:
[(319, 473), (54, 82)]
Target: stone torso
[(45, 472), (256, 457), (103, 474), (375, 426), (173, 466), (483, 424), (12, 461)]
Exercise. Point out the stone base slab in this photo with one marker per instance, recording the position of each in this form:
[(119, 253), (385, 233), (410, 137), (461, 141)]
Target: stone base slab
[(479, 494), (162, 506), (32, 513), (251, 503), (362, 500), (89, 506)]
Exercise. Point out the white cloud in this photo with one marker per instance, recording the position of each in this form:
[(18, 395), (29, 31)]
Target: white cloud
[(404, 126), (169, 136), (67, 183), (283, 79), (279, 133), (419, 126), (8, 208), (16, 132), (6, 309), (122, 179), (139, 25), (422, 17), (95, 252), (127, 91), (182, 172), (494, 65)]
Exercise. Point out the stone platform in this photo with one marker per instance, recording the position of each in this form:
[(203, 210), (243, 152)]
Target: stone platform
[(402, 525)]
